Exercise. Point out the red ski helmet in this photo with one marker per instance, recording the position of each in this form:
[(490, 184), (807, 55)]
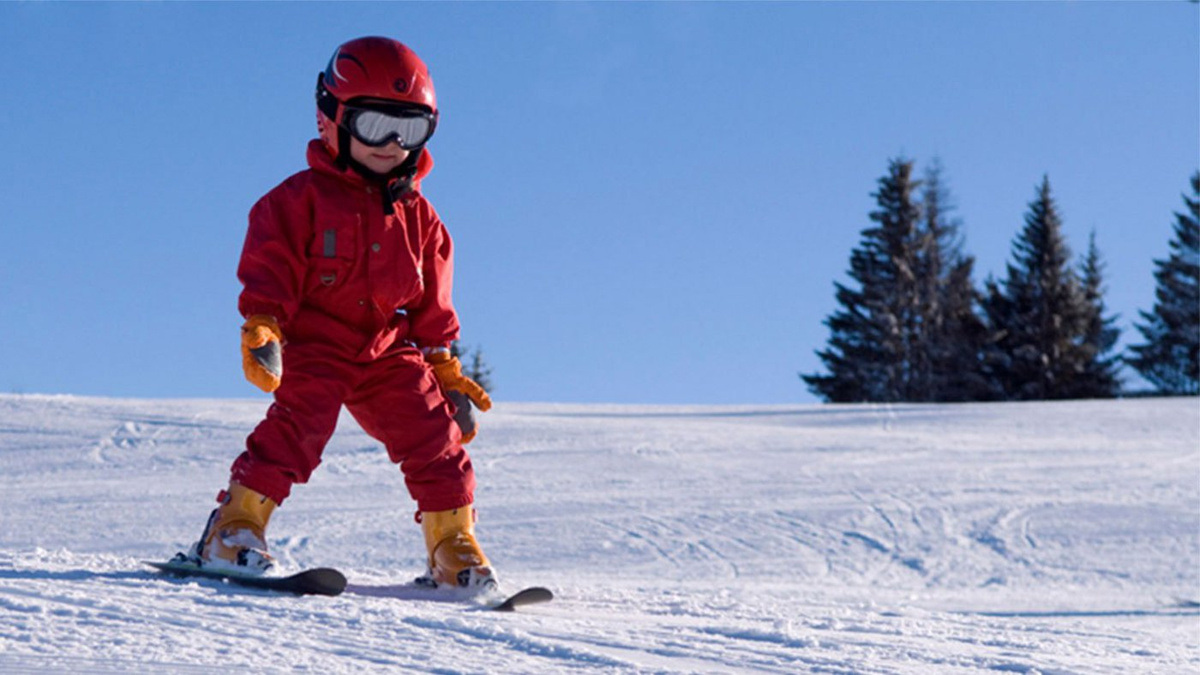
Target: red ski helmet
[(371, 71)]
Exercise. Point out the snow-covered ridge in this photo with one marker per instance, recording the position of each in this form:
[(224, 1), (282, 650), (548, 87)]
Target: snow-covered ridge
[(1035, 537)]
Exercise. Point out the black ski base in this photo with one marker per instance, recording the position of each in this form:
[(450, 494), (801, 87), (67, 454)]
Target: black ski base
[(527, 596), (315, 581)]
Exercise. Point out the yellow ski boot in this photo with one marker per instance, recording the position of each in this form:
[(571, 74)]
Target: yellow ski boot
[(455, 558), (235, 537)]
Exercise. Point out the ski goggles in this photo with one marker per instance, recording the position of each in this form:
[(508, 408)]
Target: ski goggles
[(409, 128)]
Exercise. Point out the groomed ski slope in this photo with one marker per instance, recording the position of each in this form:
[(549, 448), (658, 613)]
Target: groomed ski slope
[(1020, 538)]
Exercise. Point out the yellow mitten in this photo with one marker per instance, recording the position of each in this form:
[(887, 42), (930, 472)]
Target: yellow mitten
[(262, 352), (460, 389)]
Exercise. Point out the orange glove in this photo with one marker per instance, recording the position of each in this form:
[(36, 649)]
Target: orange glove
[(262, 352), (461, 390)]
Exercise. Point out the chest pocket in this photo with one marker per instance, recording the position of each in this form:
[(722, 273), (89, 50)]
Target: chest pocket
[(332, 253)]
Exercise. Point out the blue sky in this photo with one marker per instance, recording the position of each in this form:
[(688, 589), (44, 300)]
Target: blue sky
[(650, 202)]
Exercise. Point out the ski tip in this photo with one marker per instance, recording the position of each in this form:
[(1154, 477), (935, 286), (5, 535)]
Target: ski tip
[(527, 596), (321, 581)]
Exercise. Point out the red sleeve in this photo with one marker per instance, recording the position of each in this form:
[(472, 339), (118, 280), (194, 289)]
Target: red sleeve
[(274, 257), (433, 322)]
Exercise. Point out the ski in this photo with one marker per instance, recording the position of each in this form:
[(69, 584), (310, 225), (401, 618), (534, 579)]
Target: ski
[(315, 581)]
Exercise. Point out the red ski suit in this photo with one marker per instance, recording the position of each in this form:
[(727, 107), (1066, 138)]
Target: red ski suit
[(357, 283)]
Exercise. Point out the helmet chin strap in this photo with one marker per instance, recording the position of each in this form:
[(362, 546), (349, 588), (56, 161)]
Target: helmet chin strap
[(403, 176), (343, 155)]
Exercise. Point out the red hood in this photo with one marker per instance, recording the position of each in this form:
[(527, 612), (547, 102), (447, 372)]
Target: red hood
[(320, 160)]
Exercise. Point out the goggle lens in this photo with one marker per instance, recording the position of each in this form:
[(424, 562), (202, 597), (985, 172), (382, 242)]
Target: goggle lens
[(375, 128)]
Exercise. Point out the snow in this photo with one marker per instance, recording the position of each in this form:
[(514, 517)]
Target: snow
[(1022, 538)]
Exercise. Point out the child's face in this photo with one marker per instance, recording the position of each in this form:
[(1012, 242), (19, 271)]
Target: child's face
[(381, 160)]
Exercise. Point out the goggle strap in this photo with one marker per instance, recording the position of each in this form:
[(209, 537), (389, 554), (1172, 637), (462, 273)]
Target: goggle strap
[(327, 103)]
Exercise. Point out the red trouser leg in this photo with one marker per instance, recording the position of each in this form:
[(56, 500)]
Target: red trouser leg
[(400, 404), (286, 447)]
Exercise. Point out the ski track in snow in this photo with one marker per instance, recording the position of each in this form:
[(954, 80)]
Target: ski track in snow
[(991, 538)]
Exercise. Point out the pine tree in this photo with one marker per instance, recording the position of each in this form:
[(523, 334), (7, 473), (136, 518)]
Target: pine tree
[(954, 335), (479, 370), (1170, 357), (473, 364), (1039, 317), (925, 326), (869, 354), (1099, 378)]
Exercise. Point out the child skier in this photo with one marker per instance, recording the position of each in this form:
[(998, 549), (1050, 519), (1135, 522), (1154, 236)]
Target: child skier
[(347, 273)]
